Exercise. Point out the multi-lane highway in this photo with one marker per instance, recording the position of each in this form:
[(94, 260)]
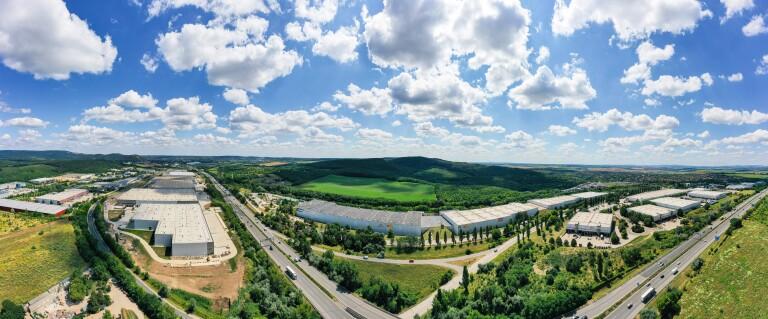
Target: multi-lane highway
[(659, 274), (339, 304)]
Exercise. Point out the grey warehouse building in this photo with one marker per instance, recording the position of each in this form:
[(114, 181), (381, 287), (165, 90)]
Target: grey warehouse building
[(181, 227), (401, 223), (495, 216), (137, 196)]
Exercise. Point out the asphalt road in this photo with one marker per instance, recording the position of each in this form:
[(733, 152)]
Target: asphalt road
[(342, 305), (659, 274)]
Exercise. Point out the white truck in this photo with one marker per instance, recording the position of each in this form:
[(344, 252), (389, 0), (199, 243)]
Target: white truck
[(648, 294), (290, 272)]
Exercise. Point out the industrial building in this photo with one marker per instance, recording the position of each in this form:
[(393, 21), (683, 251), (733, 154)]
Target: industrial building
[(656, 212), (61, 198), (42, 180), (22, 206), (12, 185), (170, 181), (181, 227), (707, 194), (589, 195), (741, 186), (496, 216), (676, 203), (590, 223), (74, 177), (555, 202), (401, 223), (137, 196), (181, 173), (656, 194)]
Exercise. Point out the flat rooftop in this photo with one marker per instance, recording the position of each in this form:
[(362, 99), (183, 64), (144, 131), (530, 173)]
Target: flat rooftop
[(706, 193), (373, 215), (674, 201), (31, 207), (656, 194), (588, 195), (185, 222), (173, 182), (651, 210), (554, 201), (64, 195), (592, 219), (181, 173), (158, 195), (472, 216)]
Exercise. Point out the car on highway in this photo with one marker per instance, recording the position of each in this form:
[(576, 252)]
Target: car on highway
[(410, 261), (630, 305), (674, 271), (270, 247), (365, 257)]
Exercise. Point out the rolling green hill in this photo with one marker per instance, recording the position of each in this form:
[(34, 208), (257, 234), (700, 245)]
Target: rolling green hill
[(430, 170), (26, 165), (372, 188)]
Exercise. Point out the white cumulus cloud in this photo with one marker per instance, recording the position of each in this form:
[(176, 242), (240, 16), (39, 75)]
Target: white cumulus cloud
[(718, 115), (43, 38)]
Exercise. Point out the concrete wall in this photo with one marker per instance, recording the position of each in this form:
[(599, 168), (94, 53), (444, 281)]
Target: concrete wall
[(191, 249)]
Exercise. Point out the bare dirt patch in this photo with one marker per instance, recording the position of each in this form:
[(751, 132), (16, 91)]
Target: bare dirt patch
[(214, 282)]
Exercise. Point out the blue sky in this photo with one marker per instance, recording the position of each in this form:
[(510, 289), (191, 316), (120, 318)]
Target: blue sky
[(579, 81)]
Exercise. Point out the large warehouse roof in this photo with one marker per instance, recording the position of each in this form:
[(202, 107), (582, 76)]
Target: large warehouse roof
[(173, 182), (181, 173), (652, 210), (372, 215), (64, 195), (656, 194), (675, 203), (594, 221), (589, 195), (558, 201), (472, 216), (701, 193), (185, 222), (31, 207), (158, 195)]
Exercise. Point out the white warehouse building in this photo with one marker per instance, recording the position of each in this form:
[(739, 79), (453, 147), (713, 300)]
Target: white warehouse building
[(707, 194), (496, 216), (589, 195), (401, 223), (590, 223), (655, 212), (138, 196), (555, 202), (656, 194), (180, 227), (676, 203)]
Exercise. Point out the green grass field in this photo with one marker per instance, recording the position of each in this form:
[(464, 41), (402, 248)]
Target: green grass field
[(732, 283), (446, 251), (32, 262), (146, 235), (421, 280), (14, 222), (372, 188)]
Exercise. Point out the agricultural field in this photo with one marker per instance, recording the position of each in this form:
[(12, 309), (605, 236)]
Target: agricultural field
[(731, 284), (372, 188), (420, 280), (35, 259), (14, 222)]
